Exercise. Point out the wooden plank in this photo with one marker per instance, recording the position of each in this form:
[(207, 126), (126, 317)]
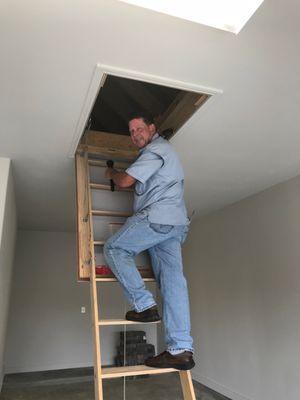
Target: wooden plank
[(100, 186), (108, 152), (99, 242), (83, 222), (117, 372), (109, 322), (161, 118), (94, 302), (107, 139), (145, 272), (187, 385), (105, 213), (108, 144), (180, 110), (103, 279), (102, 164)]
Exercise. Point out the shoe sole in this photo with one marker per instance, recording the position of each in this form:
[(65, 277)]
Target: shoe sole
[(147, 319), (181, 367)]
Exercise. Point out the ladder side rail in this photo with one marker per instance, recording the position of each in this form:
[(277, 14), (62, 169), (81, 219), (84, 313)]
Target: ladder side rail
[(94, 302), (187, 385)]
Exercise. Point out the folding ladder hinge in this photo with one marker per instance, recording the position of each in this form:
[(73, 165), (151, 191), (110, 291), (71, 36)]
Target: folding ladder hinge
[(85, 219), (88, 261), (80, 153)]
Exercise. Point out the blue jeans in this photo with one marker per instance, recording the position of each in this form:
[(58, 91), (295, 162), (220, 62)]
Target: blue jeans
[(164, 245)]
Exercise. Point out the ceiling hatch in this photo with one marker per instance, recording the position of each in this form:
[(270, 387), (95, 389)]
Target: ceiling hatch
[(119, 97)]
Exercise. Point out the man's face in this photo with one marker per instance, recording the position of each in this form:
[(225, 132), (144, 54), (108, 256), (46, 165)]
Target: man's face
[(141, 133)]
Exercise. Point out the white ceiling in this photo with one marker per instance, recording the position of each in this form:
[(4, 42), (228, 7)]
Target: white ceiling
[(241, 143)]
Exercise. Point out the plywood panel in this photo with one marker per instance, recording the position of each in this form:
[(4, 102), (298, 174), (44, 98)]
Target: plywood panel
[(108, 145), (83, 223)]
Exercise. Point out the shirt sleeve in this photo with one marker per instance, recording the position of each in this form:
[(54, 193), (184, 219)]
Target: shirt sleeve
[(145, 166)]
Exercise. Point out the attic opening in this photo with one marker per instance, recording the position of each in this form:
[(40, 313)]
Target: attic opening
[(119, 97), (106, 137)]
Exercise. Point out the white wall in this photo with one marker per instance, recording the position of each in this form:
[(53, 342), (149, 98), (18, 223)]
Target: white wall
[(46, 328), (7, 243), (242, 264)]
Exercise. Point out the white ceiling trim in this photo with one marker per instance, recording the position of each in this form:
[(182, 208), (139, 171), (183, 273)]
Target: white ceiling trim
[(98, 79)]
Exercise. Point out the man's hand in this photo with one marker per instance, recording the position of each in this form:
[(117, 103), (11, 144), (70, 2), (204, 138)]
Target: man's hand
[(108, 173), (121, 179)]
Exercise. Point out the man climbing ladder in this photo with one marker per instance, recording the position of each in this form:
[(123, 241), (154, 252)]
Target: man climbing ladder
[(159, 225)]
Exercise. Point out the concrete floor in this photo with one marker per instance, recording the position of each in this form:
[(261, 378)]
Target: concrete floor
[(77, 384)]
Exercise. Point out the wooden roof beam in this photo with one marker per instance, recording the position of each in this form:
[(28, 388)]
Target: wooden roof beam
[(180, 110)]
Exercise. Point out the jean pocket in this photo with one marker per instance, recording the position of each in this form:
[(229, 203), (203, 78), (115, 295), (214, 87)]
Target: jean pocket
[(161, 228)]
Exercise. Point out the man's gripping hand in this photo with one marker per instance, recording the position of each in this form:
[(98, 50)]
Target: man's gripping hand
[(121, 179)]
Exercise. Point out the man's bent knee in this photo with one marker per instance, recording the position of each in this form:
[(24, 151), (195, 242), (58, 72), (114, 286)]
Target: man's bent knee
[(110, 247)]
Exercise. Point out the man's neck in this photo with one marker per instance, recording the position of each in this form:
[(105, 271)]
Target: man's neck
[(155, 136)]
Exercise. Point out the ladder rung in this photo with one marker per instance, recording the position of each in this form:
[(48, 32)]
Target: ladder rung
[(106, 279), (101, 186), (102, 163), (117, 372), (99, 242), (103, 213), (109, 322)]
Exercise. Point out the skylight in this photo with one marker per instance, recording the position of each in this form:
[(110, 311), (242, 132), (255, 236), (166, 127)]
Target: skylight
[(228, 15)]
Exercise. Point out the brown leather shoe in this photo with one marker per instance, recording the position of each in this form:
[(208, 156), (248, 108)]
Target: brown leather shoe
[(149, 315), (182, 361)]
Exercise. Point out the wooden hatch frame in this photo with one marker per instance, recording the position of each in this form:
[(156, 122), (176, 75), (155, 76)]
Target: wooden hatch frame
[(98, 78)]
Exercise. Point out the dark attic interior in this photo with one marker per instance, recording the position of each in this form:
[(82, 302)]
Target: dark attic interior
[(119, 97)]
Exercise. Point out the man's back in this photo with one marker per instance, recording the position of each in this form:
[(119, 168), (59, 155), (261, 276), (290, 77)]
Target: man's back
[(160, 183)]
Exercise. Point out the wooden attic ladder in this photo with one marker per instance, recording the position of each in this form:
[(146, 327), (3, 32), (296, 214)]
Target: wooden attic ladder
[(102, 146)]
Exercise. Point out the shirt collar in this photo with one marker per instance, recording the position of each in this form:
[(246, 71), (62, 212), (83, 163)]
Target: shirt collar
[(156, 136)]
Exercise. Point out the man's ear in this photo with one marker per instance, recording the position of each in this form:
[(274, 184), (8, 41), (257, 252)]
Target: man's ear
[(152, 128)]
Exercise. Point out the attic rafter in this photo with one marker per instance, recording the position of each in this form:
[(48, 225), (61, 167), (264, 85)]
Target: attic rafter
[(180, 110)]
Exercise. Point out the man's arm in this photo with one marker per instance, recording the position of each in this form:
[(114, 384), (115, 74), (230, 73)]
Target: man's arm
[(141, 170), (121, 179)]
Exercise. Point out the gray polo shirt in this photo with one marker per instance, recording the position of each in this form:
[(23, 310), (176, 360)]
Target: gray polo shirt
[(159, 186)]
